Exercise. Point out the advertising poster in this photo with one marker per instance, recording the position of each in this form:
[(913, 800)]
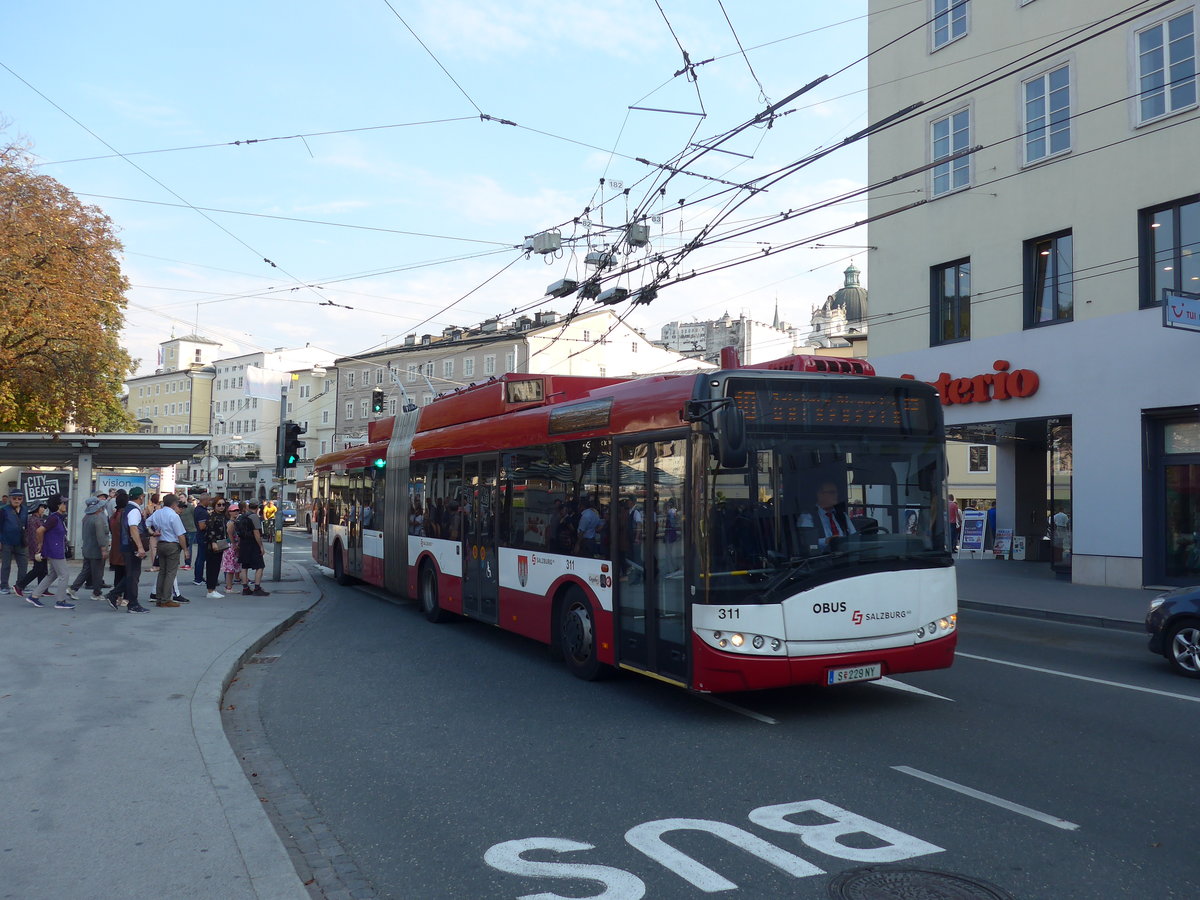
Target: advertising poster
[(974, 522), (108, 484), (41, 486), (1003, 545)]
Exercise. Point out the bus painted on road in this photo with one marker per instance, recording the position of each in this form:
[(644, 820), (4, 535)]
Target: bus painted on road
[(740, 528)]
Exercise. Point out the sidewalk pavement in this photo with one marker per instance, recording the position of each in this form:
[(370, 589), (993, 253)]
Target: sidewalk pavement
[(118, 780), (1032, 589)]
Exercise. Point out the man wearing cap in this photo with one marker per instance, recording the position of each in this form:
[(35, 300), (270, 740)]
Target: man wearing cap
[(135, 539), (13, 518), (172, 543), (94, 548)]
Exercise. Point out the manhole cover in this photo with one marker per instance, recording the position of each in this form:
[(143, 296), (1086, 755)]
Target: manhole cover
[(911, 884)]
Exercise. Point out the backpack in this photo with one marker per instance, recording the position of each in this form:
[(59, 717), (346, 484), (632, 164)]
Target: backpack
[(244, 527)]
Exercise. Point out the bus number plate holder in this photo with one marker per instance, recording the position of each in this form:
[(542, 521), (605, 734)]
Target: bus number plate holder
[(850, 674)]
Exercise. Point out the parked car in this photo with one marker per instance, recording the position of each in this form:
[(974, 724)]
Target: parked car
[(287, 514), (1173, 621)]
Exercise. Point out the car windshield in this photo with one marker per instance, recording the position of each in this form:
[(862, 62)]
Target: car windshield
[(809, 510)]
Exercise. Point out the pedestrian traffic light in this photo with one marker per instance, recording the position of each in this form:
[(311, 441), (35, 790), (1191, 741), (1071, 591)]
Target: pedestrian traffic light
[(377, 400), (291, 444)]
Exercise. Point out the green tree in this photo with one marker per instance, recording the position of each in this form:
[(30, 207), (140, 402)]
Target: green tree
[(62, 303)]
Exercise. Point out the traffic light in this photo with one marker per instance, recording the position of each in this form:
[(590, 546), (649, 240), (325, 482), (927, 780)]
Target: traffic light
[(289, 453), (380, 463), (377, 401)]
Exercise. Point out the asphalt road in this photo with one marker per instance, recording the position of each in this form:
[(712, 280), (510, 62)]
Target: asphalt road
[(457, 761)]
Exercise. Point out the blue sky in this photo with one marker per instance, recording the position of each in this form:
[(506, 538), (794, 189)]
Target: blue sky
[(413, 202)]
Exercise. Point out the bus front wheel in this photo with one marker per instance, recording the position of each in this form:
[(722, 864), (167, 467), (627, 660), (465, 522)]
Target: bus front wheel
[(577, 636), (429, 596), (339, 566)]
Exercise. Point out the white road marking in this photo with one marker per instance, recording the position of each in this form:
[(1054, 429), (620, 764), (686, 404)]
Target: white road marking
[(1116, 684), (901, 686), (733, 707), (989, 798)]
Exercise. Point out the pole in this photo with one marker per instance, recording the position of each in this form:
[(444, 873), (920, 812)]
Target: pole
[(280, 463)]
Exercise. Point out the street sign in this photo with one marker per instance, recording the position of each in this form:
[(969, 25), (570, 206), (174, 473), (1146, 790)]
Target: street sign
[(1181, 310)]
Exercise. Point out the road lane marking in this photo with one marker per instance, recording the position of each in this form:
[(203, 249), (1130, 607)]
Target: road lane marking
[(741, 710), (989, 798), (901, 686), (1116, 684)]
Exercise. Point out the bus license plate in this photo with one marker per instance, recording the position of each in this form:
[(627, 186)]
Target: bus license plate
[(854, 673)]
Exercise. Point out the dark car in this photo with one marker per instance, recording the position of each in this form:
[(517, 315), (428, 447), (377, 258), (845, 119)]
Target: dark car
[(1173, 621), (287, 514)]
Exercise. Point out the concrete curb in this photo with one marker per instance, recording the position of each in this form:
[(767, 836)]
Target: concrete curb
[(268, 866), (1070, 618)]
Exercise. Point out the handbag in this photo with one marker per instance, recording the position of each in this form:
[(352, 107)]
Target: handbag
[(220, 546)]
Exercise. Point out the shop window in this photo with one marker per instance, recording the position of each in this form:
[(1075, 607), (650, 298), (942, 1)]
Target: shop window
[(950, 313), (1049, 280), (1169, 243)]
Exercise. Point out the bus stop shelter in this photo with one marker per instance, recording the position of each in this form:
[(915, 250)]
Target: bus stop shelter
[(82, 454)]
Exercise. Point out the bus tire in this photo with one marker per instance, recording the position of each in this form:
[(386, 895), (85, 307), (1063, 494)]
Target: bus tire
[(576, 637), (339, 567), (427, 594)]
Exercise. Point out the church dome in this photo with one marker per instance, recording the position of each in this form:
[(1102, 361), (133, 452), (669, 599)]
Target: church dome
[(851, 298)]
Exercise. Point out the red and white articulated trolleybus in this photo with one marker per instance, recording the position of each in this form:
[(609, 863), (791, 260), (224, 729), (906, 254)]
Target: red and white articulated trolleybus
[(741, 528)]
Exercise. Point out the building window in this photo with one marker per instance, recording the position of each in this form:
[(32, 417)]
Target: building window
[(1166, 67), (392, 407), (349, 409), (1049, 276), (949, 136), (949, 21), (510, 362), (951, 302), (633, 347), (426, 399), (468, 367), (412, 371), (978, 459), (429, 370), (587, 335), (1047, 114), (447, 368), (349, 379), (1169, 243), (489, 365), (366, 377), (364, 407), (379, 375), (324, 417)]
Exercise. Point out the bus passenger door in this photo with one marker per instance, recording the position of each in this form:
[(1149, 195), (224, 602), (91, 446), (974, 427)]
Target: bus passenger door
[(354, 530), (480, 586), (646, 521)]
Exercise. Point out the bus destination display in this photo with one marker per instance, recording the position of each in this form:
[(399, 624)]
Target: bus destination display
[(810, 407)]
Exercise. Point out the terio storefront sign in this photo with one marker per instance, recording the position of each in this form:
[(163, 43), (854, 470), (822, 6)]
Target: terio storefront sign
[(999, 384)]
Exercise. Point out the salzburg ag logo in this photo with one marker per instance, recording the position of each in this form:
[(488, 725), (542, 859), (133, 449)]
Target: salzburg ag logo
[(857, 617), (523, 569)]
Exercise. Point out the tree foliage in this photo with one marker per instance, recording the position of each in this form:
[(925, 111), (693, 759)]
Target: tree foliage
[(62, 302)]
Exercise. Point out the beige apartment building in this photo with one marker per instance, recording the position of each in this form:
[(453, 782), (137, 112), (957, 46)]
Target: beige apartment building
[(1041, 264)]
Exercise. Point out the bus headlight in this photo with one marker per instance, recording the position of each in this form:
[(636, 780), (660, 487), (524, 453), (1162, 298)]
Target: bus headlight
[(758, 642), (737, 640), (743, 642)]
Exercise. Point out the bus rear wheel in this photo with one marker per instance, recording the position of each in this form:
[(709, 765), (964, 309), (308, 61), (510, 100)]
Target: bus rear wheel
[(577, 636), (428, 594)]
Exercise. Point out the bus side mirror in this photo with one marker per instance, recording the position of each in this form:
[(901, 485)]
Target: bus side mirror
[(731, 438)]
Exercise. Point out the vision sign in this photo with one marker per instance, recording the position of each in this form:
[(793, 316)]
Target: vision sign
[(999, 384)]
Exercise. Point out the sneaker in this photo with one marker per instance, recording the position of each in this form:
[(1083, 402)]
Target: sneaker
[(179, 598), (71, 593), (113, 602), (20, 592), (136, 607), (48, 594), (64, 604), (4, 590), (259, 592), (213, 595), (34, 601), (96, 597), (165, 603), (246, 590), (186, 568), (197, 584), (154, 596)]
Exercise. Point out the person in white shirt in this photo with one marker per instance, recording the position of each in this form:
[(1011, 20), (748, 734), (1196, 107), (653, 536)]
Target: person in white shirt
[(829, 517), (172, 543)]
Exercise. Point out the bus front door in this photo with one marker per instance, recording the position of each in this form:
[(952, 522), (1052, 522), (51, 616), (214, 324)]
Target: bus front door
[(481, 583), (646, 524)]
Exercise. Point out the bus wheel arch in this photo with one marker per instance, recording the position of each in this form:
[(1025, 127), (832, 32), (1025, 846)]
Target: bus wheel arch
[(339, 565), (575, 637), (427, 593)]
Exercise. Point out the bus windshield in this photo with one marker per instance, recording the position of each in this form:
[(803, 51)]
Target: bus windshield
[(811, 509)]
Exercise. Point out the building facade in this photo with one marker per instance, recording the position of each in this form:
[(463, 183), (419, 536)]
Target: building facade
[(755, 341), (1055, 203)]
